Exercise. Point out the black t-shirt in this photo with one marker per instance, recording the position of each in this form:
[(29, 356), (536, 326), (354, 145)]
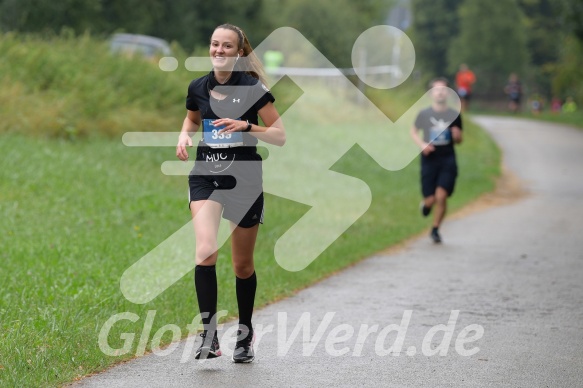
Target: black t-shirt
[(436, 128), (246, 95)]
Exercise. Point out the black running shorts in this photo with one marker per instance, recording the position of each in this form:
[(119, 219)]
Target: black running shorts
[(438, 172), (245, 212), (211, 179)]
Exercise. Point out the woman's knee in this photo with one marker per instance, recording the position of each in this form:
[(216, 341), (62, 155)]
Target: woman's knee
[(243, 267), (206, 253)]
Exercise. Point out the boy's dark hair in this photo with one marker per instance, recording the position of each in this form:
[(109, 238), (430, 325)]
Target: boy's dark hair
[(438, 79)]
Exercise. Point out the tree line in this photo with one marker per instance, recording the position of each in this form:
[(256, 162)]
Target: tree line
[(332, 25), (541, 40)]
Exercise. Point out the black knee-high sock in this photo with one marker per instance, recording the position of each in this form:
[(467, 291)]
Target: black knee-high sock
[(245, 299), (205, 282)]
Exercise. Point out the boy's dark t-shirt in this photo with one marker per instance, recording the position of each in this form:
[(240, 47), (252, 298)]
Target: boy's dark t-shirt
[(436, 128)]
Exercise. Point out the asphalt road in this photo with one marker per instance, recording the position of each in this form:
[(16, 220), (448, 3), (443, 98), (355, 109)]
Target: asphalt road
[(506, 287)]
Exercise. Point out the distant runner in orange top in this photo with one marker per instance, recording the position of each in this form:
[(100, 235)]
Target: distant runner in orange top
[(464, 80)]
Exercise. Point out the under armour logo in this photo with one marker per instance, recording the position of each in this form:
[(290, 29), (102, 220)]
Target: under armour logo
[(236, 100)]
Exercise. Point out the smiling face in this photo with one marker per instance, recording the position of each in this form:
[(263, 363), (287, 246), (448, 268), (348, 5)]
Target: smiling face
[(224, 49)]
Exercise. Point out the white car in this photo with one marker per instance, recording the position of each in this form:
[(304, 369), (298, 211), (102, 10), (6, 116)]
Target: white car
[(148, 46)]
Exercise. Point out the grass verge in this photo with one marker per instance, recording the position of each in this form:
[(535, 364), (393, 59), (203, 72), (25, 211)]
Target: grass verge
[(574, 119), (76, 215)]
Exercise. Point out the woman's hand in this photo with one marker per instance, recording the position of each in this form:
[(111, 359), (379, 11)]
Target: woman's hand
[(184, 140), (189, 126), (230, 125)]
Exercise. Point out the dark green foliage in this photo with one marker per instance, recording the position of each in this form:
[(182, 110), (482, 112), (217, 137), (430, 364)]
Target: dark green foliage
[(492, 41), (435, 25)]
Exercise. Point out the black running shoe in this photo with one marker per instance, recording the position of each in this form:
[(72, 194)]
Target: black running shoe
[(435, 236), (424, 209), (209, 348), (244, 348)]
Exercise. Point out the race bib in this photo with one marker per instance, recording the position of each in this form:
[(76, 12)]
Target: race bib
[(439, 136), (214, 139)]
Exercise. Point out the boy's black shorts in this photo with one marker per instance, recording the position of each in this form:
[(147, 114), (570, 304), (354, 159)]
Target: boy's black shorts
[(438, 172)]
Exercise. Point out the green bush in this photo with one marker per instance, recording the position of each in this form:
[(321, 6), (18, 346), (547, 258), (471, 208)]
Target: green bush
[(68, 87)]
